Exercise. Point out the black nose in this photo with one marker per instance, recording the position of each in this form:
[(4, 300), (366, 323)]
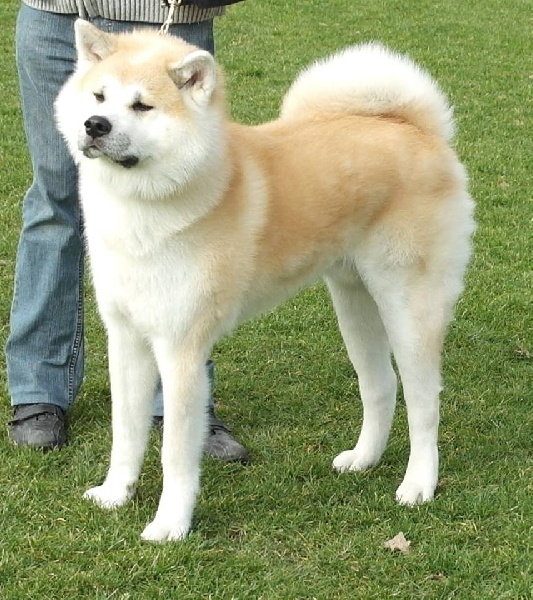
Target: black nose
[(96, 126)]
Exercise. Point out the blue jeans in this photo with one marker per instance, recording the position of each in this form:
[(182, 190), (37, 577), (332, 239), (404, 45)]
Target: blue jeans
[(44, 351)]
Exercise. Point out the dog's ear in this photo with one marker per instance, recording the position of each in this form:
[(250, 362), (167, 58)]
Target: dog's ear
[(196, 75), (92, 44)]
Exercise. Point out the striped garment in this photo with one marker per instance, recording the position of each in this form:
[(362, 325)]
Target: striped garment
[(146, 11)]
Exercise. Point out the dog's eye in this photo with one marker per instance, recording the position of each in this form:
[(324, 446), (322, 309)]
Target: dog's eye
[(141, 107), (99, 96)]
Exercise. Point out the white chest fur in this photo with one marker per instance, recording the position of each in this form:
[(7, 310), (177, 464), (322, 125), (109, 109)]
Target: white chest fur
[(144, 265)]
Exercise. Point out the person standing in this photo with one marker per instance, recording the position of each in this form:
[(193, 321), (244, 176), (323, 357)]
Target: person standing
[(45, 347)]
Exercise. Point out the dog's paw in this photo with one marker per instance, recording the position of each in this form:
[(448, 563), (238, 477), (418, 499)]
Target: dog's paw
[(161, 531), (354, 460), (412, 492), (421, 477), (109, 496)]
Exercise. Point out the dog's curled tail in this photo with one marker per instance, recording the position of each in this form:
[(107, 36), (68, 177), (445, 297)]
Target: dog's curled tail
[(371, 80)]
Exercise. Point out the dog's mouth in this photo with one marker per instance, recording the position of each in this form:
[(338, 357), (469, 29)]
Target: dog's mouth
[(93, 149), (128, 162)]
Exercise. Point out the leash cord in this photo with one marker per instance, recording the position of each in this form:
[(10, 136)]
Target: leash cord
[(172, 5)]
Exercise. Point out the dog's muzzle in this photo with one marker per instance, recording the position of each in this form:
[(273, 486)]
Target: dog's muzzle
[(96, 129)]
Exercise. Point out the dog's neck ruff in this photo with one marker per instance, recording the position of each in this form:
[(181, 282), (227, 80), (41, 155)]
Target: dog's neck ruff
[(152, 208)]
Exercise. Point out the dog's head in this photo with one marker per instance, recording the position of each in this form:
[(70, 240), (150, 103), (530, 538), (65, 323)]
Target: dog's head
[(140, 101)]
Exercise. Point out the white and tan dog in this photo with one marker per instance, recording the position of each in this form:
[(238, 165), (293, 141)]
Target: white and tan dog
[(194, 223)]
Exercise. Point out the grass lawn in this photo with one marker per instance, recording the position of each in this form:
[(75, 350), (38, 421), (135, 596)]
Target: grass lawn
[(287, 526)]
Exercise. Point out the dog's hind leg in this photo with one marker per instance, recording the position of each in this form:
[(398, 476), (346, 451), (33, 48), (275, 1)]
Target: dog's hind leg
[(415, 311), (368, 348), (133, 375), (185, 395)]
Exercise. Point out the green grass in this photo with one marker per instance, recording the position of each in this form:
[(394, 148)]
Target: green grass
[(287, 526)]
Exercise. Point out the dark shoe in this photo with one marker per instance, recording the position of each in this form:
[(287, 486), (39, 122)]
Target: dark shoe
[(38, 426), (157, 422), (220, 443)]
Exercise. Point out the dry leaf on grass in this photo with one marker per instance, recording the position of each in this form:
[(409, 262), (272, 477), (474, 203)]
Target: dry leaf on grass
[(399, 543)]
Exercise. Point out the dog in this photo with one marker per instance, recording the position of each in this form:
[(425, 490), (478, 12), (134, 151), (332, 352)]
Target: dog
[(195, 223)]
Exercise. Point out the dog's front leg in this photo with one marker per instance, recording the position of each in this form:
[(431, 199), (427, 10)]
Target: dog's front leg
[(185, 395), (133, 375)]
